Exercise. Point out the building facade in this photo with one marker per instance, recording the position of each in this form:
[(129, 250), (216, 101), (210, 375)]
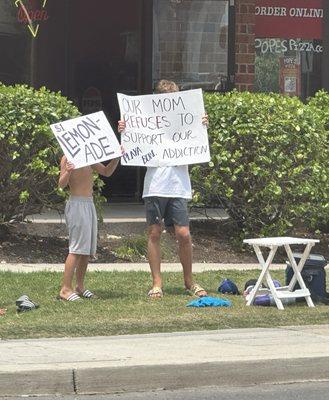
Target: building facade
[(90, 50)]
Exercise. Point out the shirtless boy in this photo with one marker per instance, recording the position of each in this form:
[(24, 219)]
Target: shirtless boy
[(81, 220)]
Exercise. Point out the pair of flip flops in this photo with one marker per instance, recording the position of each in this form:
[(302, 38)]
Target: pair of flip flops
[(24, 303), (194, 290), (86, 294)]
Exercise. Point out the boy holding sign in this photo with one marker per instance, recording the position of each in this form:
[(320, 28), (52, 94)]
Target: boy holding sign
[(86, 141), (81, 220), (166, 194)]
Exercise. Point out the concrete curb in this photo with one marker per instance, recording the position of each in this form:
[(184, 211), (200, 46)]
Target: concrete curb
[(170, 377), (131, 363)]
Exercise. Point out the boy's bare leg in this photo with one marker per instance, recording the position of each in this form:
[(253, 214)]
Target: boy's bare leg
[(183, 237), (71, 262), (154, 253), (81, 273), (185, 251)]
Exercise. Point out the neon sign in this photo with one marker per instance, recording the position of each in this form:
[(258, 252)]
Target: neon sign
[(31, 15)]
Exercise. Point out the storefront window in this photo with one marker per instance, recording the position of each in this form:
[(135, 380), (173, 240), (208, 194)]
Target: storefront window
[(190, 43), (289, 47), (15, 45)]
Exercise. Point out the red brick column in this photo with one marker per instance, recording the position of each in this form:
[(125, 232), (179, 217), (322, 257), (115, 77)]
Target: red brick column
[(245, 44)]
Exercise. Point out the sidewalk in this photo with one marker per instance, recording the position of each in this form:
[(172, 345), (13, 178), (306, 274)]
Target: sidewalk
[(118, 219), (127, 212), (168, 360), (165, 267)]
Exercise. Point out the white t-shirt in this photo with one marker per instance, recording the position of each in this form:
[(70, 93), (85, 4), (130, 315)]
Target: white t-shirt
[(167, 182)]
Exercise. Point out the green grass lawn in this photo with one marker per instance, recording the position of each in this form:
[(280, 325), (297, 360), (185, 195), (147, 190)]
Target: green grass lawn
[(123, 307)]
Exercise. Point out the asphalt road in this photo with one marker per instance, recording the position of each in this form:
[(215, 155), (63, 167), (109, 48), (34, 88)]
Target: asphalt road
[(295, 391)]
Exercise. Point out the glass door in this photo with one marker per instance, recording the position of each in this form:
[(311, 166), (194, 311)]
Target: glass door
[(104, 59), (190, 43), (15, 45)]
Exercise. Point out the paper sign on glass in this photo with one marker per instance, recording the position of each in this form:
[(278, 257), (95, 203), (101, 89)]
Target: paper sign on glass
[(164, 129), (87, 140)]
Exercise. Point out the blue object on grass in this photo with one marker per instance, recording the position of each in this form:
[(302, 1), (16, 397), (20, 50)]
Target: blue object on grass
[(276, 283), (262, 300), (208, 301), (228, 286)]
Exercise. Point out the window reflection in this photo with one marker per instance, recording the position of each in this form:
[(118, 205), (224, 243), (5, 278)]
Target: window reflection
[(191, 43), (14, 45), (288, 66)]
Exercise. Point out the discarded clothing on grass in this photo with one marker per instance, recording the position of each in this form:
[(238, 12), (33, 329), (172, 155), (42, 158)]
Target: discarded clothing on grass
[(24, 303), (228, 287), (208, 301)]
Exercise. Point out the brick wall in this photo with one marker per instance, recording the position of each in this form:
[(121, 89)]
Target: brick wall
[(245, 44), (190, 42)]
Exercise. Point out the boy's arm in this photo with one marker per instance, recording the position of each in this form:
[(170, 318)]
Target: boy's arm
[(66, 169), (108, 169)]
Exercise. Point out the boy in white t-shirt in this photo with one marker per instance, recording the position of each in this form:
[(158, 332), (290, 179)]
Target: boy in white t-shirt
[(166, 194)]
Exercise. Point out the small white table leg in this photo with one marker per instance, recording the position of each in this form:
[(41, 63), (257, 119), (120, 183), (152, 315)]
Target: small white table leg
[(264, 273), (301, 263), (297, 270)]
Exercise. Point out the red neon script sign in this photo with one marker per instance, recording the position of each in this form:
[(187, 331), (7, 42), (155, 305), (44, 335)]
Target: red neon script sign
[(31, 13)]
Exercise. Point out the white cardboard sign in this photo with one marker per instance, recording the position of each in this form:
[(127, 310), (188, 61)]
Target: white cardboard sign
[(87, 140), (164, 129)]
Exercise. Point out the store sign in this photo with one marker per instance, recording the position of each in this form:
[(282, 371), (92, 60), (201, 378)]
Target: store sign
[(164, 129), (289, 19), (32, 13), (87, 140), (279, 46)]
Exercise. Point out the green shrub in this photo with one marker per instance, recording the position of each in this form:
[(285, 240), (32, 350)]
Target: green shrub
[(266, 156), (30, 155), (134, 248), (319, 105)]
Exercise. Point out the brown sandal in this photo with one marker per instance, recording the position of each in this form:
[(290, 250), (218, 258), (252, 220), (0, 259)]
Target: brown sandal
[(195, 289)]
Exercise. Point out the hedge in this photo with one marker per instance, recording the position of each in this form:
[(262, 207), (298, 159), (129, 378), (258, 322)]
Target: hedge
[(30, 155), (268, 167)]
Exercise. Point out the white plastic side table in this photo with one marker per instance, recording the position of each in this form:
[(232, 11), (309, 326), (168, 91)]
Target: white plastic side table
[(285, 292)]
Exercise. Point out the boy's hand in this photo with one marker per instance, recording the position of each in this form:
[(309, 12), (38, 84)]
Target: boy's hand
[(122, 150), (69, 167), (121, 126), (205, 120)]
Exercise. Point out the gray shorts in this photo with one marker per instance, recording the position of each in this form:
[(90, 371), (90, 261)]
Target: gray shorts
[(173, 210), (81, 220)]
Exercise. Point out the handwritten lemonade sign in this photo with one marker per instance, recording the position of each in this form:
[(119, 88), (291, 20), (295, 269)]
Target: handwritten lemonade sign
[(87, 140), (164, 129)]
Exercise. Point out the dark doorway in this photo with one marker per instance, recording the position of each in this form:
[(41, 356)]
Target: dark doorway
[(106, 56)]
